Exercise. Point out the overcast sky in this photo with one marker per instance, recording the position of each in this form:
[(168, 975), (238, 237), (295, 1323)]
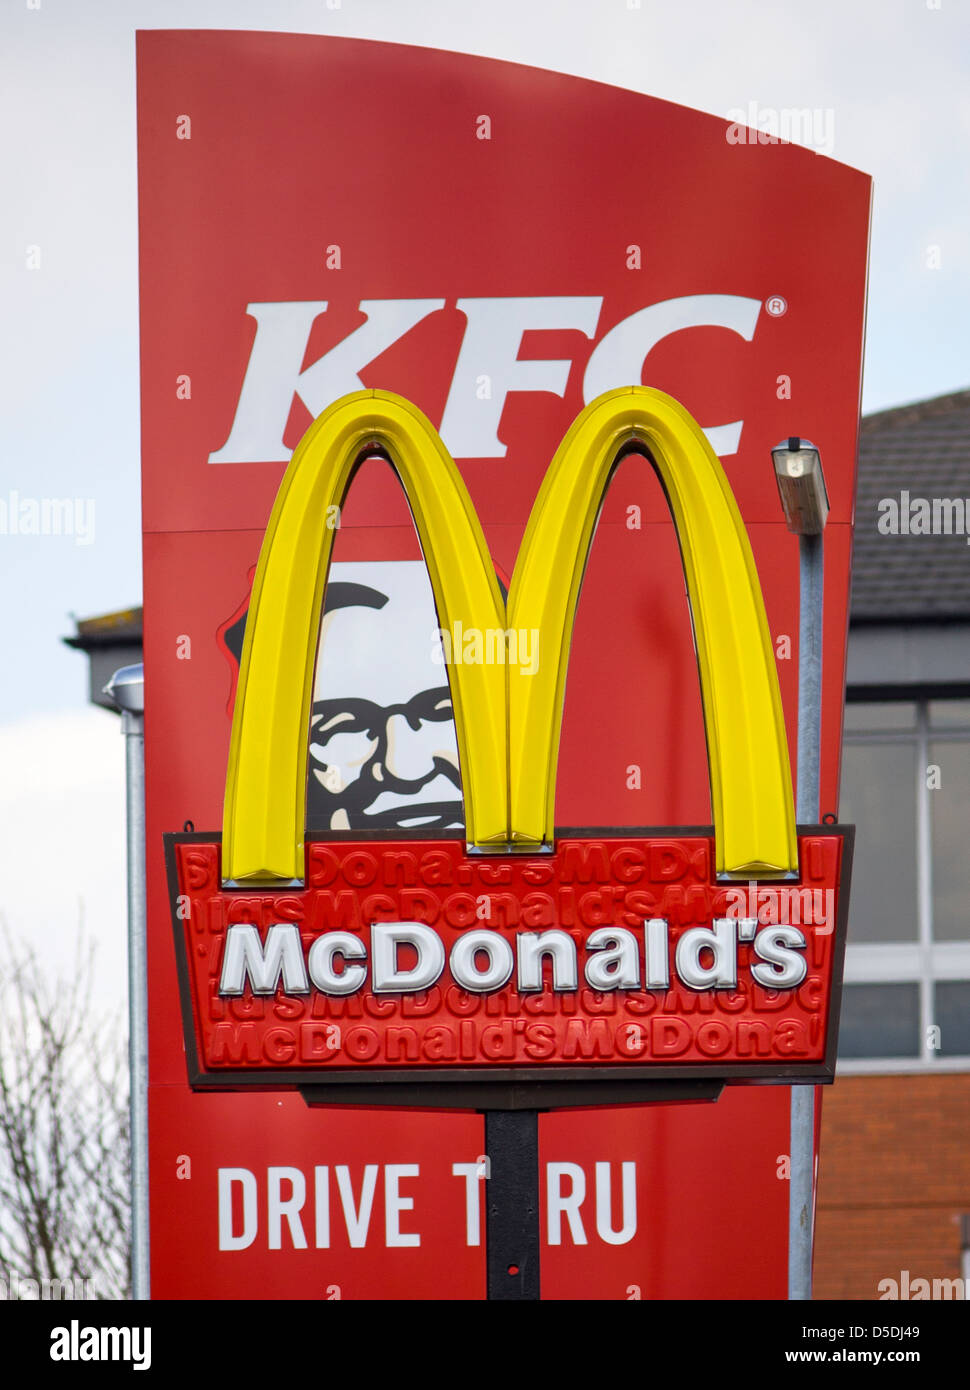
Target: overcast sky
[(890, 80)]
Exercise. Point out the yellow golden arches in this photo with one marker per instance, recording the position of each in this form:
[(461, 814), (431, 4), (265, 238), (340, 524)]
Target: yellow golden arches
[(265, 807), (508, 721), (751, 793)]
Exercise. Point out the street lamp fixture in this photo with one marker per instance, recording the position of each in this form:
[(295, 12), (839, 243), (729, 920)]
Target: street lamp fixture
[(126, 689), (801, 486)]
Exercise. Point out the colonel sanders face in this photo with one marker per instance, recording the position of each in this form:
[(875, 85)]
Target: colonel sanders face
[(383, 753)]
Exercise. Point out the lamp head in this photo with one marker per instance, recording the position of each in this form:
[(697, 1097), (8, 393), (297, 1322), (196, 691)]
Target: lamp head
[(126, 689), (801, 486)]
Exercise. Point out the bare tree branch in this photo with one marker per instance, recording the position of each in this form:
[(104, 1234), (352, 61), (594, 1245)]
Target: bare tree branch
[(64, 1142)]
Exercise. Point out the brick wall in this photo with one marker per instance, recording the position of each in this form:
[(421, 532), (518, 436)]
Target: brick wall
[(894, 1181)]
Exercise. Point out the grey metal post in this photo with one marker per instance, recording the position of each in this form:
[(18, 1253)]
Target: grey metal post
[(126, 688), (802, 1142), (801, 487)]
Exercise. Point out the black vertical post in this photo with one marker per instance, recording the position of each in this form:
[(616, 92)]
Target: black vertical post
[(512, 1204)]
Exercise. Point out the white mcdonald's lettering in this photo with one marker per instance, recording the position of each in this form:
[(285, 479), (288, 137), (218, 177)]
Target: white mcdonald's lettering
[(483, 961), (246, 958), (489, 352)]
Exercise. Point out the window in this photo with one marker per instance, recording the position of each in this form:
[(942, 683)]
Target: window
[(906, 787)]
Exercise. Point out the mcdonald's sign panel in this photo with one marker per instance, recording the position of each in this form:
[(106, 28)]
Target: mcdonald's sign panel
[(445, 797), (300, 927)]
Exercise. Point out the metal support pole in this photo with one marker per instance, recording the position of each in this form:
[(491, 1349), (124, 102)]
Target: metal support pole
[(512, 1205), (810, 582), (133, 728), (801, 1206)]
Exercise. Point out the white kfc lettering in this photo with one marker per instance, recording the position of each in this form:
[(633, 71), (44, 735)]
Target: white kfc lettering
[(618, 359), (489, 352), (273, 376), (490, 347)]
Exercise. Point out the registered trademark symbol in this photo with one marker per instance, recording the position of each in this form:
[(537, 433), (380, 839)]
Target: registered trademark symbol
[(776, 305)]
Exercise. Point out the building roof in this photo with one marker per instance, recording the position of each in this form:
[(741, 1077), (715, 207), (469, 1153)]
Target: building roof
[(107, 630), (913, 452), (110, 641)]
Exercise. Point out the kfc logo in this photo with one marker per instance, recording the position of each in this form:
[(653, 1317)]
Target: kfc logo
[(487, 370)]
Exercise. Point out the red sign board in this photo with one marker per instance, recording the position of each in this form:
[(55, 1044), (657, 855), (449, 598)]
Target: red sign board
[(499, 245), (412, 957)]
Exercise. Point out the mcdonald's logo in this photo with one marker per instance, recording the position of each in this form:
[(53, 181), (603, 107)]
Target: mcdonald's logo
[(363, 958), (508, 720)]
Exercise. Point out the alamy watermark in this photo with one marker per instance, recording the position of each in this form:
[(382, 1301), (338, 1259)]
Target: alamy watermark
[(907, 1288), (923, 516), (768, 125), (77, 1343), (491, 646), (785, 907), (47, 516), (15, 1289)]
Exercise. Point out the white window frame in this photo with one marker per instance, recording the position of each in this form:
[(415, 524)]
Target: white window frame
[(923, 962)]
